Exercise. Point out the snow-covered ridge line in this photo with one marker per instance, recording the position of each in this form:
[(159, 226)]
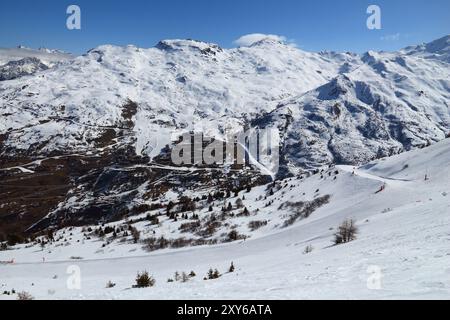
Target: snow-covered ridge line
[(21, 61), (47, 56), (195, 85)]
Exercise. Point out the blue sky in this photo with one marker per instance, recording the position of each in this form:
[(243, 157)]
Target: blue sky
[(312, 25)]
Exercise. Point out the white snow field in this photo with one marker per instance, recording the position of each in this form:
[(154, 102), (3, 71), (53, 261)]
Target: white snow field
[(404, 233)]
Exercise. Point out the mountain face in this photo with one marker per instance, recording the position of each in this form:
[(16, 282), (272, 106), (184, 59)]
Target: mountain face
[(179, 85), (49, 57), (18, 62), (23, 67), (390, 103), (438, 49), (96, 130)]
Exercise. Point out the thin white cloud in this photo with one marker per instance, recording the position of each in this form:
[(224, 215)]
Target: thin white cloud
[(391, 37), (249, 39)]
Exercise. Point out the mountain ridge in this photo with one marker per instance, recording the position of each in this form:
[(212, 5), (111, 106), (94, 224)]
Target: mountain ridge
[(101, 126)]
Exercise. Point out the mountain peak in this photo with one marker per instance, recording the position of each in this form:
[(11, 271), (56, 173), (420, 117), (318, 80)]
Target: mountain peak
[(267, 42), (259, 39), (187, 44), (439, 49), (440, 45)]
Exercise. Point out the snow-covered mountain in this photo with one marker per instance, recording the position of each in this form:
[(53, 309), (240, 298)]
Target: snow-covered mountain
[(90, 136), (87, 179), (178, 85), (438, 49), (22, 61), (391, 101), (23, 67), (48, 57)]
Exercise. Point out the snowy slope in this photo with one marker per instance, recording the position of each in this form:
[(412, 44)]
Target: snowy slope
[(91, 130), (80, 144), (403, 232)]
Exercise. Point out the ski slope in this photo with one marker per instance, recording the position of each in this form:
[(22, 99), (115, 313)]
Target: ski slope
[(404, 232)]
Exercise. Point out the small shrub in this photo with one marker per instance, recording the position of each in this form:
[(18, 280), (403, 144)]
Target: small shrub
[(136, 234), (234, 235), (184, 277), (108, 230), (244, 213), (255, 225), (309, 248), (24, 296), (209, 228), (239, 203), (190, 226), (152, 244), (302, 210), (144, 280), (212, 274), (346, 232)]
